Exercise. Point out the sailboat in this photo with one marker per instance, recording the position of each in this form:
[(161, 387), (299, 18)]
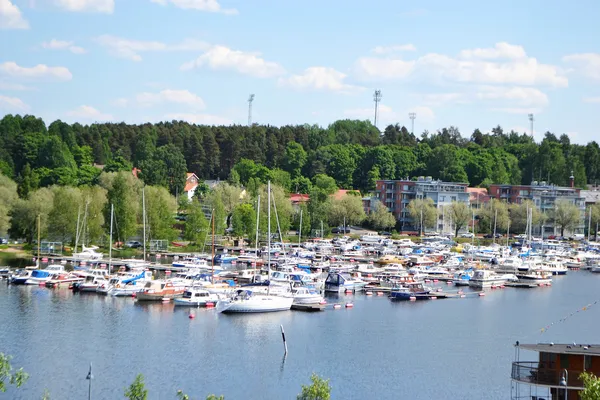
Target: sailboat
[(246, 300)]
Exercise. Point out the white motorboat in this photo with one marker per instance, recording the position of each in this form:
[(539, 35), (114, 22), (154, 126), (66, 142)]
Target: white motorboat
[(485, 278), (88, 253), (246, 301), (535, 277), (91, 283), (41, 276), (305, 295), (196, 296), (340, 282)]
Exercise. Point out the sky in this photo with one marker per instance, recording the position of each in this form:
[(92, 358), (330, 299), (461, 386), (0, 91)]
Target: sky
[(470, 64)]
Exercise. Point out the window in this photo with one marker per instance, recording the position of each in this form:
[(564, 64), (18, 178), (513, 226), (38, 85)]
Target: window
[(587, 362), (405, 187), (442, 198), (564, 361)]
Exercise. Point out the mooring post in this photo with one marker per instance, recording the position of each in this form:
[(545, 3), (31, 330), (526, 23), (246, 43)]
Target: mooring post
[(283, 337)]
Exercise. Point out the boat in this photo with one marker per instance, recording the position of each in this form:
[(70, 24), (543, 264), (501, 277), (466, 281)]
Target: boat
[(20, 276), (485, 278), (306, 295), (246, 301), (91, 284), (408, 290), (534, 277), (390, 259), (88, 253), (462, 278), (339, 282), (63, 280), (158, 290), (41, 276), (127, 285), (196, 296)]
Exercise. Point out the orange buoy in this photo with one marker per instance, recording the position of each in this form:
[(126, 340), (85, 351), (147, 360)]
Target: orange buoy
[(379, 293), (348, 291), (349, 305), (191, 316), (462, 295), (210, 305), (322, 302)]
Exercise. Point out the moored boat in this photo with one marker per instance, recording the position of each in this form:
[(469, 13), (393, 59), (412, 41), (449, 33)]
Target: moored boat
[(198, 297), (159, 290), (408, 290), (246, 301)]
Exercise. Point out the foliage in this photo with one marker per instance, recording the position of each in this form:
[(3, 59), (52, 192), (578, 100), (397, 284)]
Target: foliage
[(305, 220), (24, 215), (495, 211), (566, 216), (380, 217), (461, 214), (196, 224), (8, 196), (423, 212), (123, 192), (160, 209), (281, 209), (8, 376), (591, 385), (243, 220), (319, 389), (348, 208), (137, 390), (518, 216), (62, 219), (167, 167)]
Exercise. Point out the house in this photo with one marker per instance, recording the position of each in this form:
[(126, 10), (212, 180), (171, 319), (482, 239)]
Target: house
[(478, 197), (191, 183)]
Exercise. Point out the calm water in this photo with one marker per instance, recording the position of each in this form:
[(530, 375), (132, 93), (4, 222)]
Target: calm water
[(443, 349)]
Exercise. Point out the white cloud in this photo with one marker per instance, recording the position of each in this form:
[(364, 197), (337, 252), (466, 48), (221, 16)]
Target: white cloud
[(510, 66), (13, 104), (200, 5), (499, 51), (588, 64), (4, 85), (523, 96), (200, 119), (10, 16), (99, 6), (40, 71), (591, 100), (370, 68), (55, 44), (120, 102), (183, 97), (88, 113), (221, 57), (394, 49), (320, 78), (131, 49)]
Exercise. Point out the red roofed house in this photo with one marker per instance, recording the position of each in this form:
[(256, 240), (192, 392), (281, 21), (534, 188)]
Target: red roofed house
[(296, 199), (478, 197), (191, 183)]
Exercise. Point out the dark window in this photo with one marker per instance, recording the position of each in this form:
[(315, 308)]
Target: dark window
[(564, 361), (587, 362)]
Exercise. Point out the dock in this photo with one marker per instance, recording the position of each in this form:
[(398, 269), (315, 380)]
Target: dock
[(309, 307), (521, 285), (441, 295)]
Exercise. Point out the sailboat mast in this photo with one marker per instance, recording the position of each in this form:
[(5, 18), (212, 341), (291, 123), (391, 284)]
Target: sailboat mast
[(83, 224), (269, 235), (77, 228), (300, 228), (212, 263), (112, 210), (144, 218), (257, 222), (38, 241)]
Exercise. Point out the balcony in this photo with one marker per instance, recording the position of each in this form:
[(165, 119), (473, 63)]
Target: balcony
[(533, 374)]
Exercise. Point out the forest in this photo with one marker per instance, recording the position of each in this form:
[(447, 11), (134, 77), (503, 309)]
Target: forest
[(64, 172)]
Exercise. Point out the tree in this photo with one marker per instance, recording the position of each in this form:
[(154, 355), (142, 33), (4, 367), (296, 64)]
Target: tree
[(7, 376), (348, 208), (8, 196), (123, 193), (566, 216), (495, 211), (62, 220), (280, 202), (295, 158), (24, 215), (160, 209), (137, 390), (380, 217), (305, 220), (423, 213), (117, 164), (460, 214), (243, 220), (166, 167), (196, 224), (95, 198), (591, 385), (518, 215), (301, 184), (319, 389)]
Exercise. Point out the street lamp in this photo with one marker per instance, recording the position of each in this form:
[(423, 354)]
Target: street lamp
[(89, 377), (564, 377)]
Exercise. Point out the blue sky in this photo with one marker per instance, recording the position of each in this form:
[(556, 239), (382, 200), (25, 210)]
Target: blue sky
[(471, 64)]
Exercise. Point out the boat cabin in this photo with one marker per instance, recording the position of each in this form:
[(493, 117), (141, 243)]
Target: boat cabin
[(189, 294), (557, 369)]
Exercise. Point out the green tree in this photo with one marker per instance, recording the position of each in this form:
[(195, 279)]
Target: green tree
[(196, 224), (301, 184), (423, 213), (62, 220), (295, 158), (305, 219), (566, 216), (348, 208), (460, 214), (123, 193), (280, 202), (591, 385), (325, 183), (380, 217), (24, 215), (167, 168), (118, 164), (137, 390), (319, 389), (96, 198), (8, 196), (214, 202), (243, 220), (494, 211), (160, 210), (7, 376), (518, 216)]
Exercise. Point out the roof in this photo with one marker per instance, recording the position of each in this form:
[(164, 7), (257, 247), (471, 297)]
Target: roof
[(342, 192), (299, 198), (190, 186), (591, 196), (135, 172), (573, 348), (478, 195)]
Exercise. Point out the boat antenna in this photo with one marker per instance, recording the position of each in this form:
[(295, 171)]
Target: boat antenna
[(37, 261), (144, 218), (112, 210), (257, 222), (269, 236), (212, 272)]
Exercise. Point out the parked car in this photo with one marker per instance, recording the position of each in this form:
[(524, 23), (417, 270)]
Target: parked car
[(521, 236), (468, 235), (491, 236), (3, 241), (340, 230), (133, 244), (578, 236), (385, 233)]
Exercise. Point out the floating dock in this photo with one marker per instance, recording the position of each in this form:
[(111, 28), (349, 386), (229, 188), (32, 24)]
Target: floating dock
[(309, 307)]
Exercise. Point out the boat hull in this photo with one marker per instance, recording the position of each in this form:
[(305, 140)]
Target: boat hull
[(142, 296), (407, 295), (256, 304)]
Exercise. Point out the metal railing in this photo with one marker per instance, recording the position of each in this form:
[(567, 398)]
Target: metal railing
[(536, 373)]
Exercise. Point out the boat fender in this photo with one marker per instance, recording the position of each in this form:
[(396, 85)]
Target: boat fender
[(118, 285)]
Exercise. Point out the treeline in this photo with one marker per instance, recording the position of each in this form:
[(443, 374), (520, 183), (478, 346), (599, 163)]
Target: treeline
[(354, 153)]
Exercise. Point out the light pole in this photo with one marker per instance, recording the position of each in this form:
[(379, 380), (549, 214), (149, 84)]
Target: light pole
[(89, 377), (564, 379)]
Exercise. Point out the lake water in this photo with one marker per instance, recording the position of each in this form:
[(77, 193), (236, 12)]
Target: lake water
[(442, 349)]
